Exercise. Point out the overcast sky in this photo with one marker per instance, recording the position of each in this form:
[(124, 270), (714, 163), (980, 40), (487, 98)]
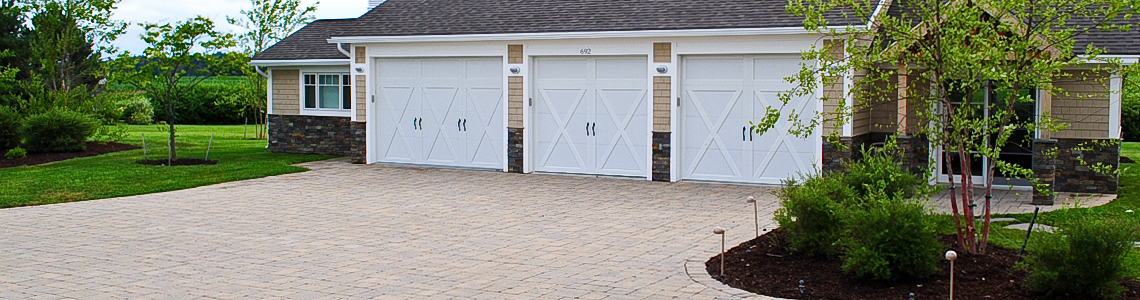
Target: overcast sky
[(136, 11)]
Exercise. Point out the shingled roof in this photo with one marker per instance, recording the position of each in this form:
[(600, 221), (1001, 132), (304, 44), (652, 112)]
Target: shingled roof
[(308, 43), (450, 17)]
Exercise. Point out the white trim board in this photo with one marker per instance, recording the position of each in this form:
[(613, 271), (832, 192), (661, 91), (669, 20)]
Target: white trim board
[(300, 62), (576, 35)]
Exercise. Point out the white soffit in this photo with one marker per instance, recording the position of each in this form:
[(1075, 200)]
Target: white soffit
[(576, 35)]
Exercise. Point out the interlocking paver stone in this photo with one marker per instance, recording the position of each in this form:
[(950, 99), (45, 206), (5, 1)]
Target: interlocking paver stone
[(374, 231)]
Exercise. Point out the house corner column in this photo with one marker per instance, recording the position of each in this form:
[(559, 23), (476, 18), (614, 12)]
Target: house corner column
[(662, 111), (358, 127), (1044, 169), (515, 108)]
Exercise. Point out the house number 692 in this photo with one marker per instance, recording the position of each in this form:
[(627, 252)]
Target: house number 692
[(585, 51)]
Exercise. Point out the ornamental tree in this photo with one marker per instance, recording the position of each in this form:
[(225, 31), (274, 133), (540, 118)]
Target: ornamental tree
[(950, 53), (180, 56)]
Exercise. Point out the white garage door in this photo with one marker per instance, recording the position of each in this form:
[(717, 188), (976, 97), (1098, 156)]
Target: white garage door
[(440, 111), (720, 95), (590, 115)]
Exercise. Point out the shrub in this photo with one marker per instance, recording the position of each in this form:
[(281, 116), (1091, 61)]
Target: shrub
[(9, 128), (16, 153), (58, 131), (107, 133), (137, 110), (1084, 257), (206, 104), (890, 238), (880, 171), (809, 212), (1130, 112)]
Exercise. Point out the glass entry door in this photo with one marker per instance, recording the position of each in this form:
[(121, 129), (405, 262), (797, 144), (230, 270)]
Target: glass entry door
[(1018, 148)]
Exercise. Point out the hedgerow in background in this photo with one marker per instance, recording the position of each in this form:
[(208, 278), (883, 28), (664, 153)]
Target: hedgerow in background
[(10, 123), (137, 110), (58, 130), (1084, 257), (1130, 112)]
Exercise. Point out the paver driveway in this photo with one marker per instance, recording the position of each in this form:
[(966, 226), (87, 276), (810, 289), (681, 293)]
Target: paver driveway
[(354, 231)]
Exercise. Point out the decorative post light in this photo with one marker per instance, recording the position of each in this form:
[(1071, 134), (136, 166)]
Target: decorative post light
[(951, 256), (720, 231), (801, 286), (755, 214)]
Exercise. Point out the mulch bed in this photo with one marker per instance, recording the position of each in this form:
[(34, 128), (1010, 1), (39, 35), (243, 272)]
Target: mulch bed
[(178, 162), (93, 149), (757, 266)]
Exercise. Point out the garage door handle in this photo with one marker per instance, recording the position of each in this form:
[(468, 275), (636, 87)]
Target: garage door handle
[(587, 128), (744, 134), (594, 128), (458, 125), (464, 124), (750, 136)]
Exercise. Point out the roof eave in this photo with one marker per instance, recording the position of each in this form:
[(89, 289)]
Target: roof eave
[(577, 35), (300, 62)]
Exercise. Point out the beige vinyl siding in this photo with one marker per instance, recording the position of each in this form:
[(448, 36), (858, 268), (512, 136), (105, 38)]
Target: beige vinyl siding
[(833, 92), (662, 103), (883, 107), (515, 103), (861, 116), (1083, 105), (286, 92), (361, 102)]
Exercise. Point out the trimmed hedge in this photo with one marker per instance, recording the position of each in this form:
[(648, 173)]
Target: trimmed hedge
[(10, 123), (205, 104), (58, 130)]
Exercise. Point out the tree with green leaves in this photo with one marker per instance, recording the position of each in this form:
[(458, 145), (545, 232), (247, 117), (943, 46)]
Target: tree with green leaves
[(268, 22), (948, 52), (15, 51), (179, 56)]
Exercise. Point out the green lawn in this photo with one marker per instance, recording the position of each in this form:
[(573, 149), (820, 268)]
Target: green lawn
[(117, 174)]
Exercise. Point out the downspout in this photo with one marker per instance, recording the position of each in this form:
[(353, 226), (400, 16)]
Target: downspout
[(259, 72), (346, 53)]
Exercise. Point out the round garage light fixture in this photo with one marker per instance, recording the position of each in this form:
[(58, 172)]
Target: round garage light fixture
[(662, 69), (515, 70), (359, 70)]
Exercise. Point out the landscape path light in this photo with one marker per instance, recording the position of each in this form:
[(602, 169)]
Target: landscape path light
[(755, 214), (720, 231), (951, 256)]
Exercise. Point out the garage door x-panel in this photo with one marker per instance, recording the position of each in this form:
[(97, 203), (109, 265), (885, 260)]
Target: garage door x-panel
[(440, 111), (590, 115), (720, 95)]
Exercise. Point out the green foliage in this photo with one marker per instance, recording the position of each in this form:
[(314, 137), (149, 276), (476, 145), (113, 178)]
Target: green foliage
[(16, 153), (1084, 257), (873, 217), (10, 123), (107, 133), (810, 212), (206, 103), (1130, 112), (137, 110), (58, 130), (63, 56), (270, 21), (879, 170), (890, 238)]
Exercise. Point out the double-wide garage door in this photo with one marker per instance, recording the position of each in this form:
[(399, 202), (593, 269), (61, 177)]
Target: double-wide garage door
[(720, 95), (440, 111), (590, 115)]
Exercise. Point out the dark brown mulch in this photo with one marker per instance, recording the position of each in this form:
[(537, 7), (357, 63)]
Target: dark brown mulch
[(178, 162), (1126, 160), (93, 149), (761, 268)]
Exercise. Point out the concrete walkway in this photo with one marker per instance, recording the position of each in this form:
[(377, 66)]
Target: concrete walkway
[(355, 231)]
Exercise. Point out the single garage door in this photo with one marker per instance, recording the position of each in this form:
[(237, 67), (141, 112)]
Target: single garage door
[(590, 115), (440, 111), (720, 95)]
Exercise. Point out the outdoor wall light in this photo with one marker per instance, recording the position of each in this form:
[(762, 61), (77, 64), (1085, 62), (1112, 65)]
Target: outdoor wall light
[(662, 69), (515, 70), (359, 70)]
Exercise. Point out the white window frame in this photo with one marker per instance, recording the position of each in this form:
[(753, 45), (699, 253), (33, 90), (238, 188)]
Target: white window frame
[(329, 112)]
